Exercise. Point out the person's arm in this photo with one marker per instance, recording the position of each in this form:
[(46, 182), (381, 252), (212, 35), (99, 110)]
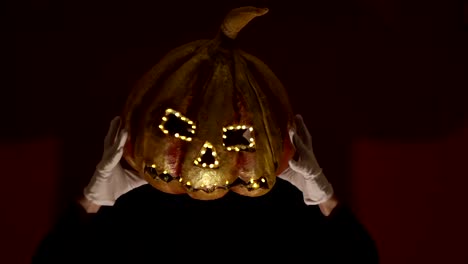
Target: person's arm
[(88, 206), (343, 238), (65, 237), (328, 206), (82, 219)]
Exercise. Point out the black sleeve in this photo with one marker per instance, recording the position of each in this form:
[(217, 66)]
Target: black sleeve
[(346, 239), (67, 238)]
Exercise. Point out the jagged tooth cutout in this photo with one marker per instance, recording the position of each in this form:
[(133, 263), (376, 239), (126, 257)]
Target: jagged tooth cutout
[(252, 184)]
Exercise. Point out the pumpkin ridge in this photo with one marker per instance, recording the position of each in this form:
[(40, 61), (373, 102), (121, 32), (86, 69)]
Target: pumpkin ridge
[(157, 97), (147, 81), (265, 118), (253, 86), (138, 99), (280, 100)]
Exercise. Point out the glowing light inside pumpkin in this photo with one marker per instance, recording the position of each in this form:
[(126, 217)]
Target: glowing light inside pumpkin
[(206, 181), (239, 137)]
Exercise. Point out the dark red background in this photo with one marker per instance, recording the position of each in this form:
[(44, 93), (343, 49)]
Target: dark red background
[(381, 85)]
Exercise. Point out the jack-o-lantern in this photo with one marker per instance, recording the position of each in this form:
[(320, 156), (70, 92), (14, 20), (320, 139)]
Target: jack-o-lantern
[(210, 118)]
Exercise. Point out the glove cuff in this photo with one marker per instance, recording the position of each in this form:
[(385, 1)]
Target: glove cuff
[(318, 190), (99, 189), (93, 199)]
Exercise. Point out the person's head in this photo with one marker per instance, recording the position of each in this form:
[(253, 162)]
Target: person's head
[(210, 118)]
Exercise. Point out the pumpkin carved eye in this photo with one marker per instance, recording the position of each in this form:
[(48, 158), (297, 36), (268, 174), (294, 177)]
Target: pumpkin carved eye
[(177, 125), (237, 138)]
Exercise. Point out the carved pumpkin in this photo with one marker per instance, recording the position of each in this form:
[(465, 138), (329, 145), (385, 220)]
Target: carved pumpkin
[(210, 118)]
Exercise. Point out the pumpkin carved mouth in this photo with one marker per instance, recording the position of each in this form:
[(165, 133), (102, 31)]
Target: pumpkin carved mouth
[(260, 183)]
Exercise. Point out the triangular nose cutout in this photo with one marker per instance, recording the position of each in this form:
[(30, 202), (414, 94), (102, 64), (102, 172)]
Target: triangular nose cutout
[(207, 158)]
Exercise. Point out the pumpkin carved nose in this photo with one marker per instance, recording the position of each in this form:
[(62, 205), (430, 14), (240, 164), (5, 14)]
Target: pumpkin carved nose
[(208, 157)]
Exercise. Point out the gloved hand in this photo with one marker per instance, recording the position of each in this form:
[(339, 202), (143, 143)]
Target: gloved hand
[(110, 180), (305, 172)]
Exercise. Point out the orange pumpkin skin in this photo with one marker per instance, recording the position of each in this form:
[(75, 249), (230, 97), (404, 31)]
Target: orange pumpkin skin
[(209, 119)]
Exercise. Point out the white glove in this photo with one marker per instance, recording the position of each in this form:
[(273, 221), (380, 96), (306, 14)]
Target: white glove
[(305, 172), (110, 180)]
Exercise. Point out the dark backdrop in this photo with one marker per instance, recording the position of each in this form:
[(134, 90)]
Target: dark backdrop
[(381, 85)]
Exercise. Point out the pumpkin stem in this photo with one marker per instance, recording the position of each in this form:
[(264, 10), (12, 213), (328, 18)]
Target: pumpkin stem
[(238, 18)]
